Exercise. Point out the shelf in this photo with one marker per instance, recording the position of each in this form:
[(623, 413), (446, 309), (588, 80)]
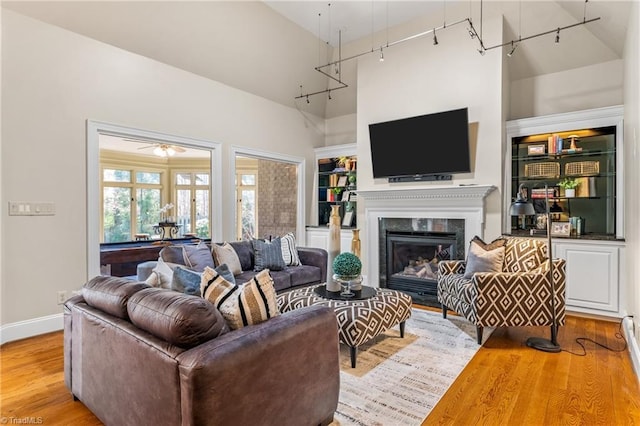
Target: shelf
[(527, 158), (562, 176)]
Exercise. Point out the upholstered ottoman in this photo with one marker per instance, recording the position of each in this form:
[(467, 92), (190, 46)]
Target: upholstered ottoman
[(358, 320)]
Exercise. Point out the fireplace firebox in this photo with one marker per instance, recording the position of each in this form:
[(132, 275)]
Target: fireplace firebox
[(412, 262)]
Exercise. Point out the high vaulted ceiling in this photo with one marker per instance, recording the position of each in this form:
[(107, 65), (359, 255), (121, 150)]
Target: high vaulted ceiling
[(271, 48)]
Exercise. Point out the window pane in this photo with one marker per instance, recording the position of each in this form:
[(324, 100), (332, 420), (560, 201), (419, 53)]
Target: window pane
[(148, 177), (248, 214), (202, 213), (183, 210), (117, 214), (248, 180), (148, 209), (112, 175), (183, 179), (202, 179)]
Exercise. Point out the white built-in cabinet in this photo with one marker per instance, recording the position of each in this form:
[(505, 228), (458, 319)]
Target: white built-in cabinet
[(594, 278), (319, 237)]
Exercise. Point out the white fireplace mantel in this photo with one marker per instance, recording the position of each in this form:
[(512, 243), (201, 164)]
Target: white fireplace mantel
[(456, 202)]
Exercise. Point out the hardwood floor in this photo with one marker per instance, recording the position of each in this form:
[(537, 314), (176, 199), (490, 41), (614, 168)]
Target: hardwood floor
[(505, 383)]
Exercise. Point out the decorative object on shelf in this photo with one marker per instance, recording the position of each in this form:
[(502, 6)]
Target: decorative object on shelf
[(348, 218), (536, 150), (342, 181), (569, 185), (542, 170), (582, 168), (577, 225), (541, 221), (346, 268), (555, 211), (355, 242), (521, 207), (561, 229), (334, 244), (352, 177), (574, 139), (164, 213)]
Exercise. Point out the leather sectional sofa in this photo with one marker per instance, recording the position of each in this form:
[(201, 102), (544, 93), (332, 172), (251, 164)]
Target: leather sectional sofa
[(136, 355)]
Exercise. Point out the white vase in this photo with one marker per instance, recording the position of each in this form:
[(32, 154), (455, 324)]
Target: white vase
[(570, 192)]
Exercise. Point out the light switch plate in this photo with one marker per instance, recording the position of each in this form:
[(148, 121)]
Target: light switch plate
[(24, 208)]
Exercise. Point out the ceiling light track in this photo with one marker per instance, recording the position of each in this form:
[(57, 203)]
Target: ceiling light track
[(472, 33)]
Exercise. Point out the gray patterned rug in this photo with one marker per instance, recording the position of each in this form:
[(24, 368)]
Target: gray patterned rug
[(398, 381)]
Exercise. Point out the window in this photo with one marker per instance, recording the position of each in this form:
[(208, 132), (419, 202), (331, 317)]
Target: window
[(192, 202), (246, 210), (130, 203)]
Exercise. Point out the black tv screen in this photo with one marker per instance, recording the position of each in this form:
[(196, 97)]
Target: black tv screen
[(430, 144)]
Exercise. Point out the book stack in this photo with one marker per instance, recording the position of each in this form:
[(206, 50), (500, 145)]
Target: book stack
[(554, 144), (539, 193)]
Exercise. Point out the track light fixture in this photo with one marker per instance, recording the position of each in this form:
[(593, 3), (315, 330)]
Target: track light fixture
[(473, 33), (329, 94)]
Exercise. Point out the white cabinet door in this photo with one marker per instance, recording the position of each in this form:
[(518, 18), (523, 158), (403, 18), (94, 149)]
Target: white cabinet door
[(319, 237), (592, 276)]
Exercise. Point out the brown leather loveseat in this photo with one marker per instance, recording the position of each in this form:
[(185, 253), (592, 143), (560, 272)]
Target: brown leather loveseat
[(136, 355)]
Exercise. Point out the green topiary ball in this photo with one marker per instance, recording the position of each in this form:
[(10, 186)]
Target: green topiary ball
[(347, 265)]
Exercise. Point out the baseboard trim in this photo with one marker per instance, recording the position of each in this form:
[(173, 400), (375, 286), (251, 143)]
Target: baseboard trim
[(632, 343), (29, 328)]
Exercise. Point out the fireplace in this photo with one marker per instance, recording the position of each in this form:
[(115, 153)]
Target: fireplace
[(410, 249), (412, 262)]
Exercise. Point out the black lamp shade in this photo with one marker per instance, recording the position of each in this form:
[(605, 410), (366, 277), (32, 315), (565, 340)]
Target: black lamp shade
[(521, 207)]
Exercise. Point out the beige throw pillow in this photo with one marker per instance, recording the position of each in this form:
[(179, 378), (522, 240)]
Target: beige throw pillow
[(226, 254), (250, 303), (481, 260)]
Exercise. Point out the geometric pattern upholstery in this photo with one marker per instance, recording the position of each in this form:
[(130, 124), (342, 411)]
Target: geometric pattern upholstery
[(502, 299), (358, 320)]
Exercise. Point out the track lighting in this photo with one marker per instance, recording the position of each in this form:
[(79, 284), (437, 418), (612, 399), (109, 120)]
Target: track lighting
[(329, 94), (558, 36), (482, 52), (381, 55), (308, 99), (513, 49), (435, 38)]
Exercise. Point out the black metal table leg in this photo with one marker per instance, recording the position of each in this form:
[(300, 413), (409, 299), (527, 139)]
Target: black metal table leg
[(354, 353), (402, 329)]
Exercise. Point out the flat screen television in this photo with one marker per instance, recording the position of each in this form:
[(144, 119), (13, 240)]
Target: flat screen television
[(426, 145)]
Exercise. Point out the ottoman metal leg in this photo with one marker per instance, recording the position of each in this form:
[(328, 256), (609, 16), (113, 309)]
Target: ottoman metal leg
[(354, 353), (402, 329)]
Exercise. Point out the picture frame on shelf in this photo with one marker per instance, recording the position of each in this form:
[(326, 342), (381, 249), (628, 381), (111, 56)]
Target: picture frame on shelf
[(347, 220), (352, 196), (346, 195), (536, 149), (560, 229), (342, 181)]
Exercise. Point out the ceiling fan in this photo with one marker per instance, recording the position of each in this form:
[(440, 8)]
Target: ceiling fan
[(163, 149)]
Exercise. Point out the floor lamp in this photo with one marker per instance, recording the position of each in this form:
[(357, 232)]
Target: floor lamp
[(522, 207)]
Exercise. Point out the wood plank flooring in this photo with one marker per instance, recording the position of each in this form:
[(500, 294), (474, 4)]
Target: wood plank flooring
[(505, 383)]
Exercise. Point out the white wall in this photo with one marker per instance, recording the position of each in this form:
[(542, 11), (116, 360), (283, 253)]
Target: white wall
[(632, 163), (52, 82), (341, 130), (419, 78), (578, 89)]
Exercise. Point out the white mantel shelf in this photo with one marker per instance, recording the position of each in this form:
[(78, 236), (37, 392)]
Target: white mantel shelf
[(462, 191)]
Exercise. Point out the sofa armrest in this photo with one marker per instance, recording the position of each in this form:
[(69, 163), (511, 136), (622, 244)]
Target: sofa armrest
[(285, 369), (446, 267), (144, 269), (315, 257)]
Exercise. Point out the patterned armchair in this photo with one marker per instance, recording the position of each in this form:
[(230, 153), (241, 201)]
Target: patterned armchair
[(517, 296)]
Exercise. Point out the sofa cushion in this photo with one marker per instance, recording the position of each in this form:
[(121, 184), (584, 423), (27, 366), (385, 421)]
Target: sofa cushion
[(177, 318), (250, 303), (162, 274), (289, 249), (225, 253), (198, 256), (481, 260), (173, 254), (244, 250), (304, 274), (188, 281), (111, 294), (268, 255)]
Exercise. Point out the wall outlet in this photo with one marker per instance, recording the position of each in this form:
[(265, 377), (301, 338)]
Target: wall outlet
[(62, 297)]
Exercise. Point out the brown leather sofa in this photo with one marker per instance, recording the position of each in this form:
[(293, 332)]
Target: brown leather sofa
[(136, 355)]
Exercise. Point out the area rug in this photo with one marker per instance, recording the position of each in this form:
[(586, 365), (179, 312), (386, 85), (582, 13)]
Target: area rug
[(398, 381)]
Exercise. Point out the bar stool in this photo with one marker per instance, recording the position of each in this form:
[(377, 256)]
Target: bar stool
[(141, 236)]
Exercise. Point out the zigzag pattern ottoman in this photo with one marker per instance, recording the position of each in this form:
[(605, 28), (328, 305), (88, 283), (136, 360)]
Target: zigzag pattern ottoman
[(358, 320)]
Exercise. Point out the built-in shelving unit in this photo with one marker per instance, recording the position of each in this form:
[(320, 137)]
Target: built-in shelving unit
[(337, 179)]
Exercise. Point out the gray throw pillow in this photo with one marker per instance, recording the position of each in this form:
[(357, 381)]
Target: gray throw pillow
[(198, 256), (268, 255), (188, 281), (481, 260)]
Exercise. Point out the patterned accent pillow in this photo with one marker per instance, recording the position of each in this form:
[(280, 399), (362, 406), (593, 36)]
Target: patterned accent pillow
[(481, 260), (498, 242), (268, 255), (186, 281), (250, 303), (524, 254), (289, 250), (226, 254)]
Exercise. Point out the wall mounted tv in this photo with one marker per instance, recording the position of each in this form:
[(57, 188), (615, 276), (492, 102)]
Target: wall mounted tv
[(426, 147)]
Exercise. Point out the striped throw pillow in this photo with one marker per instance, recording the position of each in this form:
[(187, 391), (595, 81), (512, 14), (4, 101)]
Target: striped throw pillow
[(250, 303), (289, 250), (268, 255)]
